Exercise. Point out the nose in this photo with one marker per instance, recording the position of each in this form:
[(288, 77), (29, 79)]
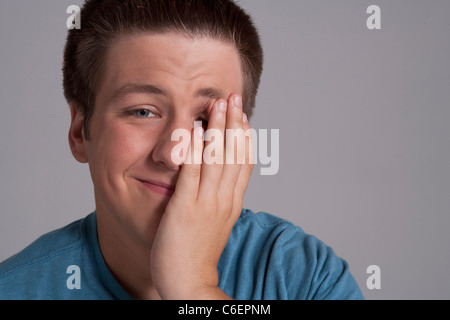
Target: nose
[(170, 149)]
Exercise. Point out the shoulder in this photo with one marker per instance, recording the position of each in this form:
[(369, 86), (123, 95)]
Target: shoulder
[(263, 227), (292, 263), (31, 267), (44, 248), (285, 238)]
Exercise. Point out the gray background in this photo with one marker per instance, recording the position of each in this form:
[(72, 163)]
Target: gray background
[(364, 139)]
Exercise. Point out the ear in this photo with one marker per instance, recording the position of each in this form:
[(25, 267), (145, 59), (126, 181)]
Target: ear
[(77, 140)]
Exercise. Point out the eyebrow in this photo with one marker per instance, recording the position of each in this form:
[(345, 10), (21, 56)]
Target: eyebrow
[(210, 92), (207, 92), (137, 88)]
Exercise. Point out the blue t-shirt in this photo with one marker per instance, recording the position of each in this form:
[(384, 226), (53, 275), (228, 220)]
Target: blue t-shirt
[(266, 258)]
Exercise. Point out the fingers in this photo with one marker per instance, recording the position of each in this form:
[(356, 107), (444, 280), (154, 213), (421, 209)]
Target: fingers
[(189, 179), (221, 171), (246, 170), (213, 154), (234, 148)]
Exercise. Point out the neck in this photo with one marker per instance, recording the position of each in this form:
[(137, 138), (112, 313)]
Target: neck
[(127, 258)]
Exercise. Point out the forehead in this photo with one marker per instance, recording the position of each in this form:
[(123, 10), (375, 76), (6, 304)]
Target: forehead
[(172, 62)]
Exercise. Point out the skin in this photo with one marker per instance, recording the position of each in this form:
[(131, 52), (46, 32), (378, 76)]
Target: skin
[(164, 242)]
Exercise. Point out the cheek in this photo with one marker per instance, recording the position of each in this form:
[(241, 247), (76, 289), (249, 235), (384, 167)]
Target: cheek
[(116, 149)]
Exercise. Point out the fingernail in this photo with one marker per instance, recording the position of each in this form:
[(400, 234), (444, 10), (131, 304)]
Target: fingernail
[(222, 106), (238, 101)]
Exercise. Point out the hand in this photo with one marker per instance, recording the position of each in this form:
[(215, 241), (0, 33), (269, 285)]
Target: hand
[(206, 204)]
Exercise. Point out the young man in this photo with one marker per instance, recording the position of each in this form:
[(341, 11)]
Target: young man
[(135, 73)]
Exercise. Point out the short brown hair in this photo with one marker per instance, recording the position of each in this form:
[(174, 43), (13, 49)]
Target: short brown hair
[(105, 20)]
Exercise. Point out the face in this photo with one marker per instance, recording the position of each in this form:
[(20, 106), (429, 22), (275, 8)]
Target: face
[(152, 85)]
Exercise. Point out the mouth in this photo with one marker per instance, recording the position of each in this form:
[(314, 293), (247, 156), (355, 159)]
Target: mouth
[(158, 187)]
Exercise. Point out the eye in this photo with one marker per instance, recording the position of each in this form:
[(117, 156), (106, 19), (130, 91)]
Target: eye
[(143, 113), (204, 123)]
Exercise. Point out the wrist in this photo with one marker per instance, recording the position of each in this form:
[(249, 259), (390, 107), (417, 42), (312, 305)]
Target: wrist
[(185, 291), (204, 293)]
